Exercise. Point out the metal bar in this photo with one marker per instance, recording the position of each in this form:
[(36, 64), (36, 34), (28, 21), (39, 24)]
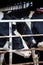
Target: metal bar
[(27, 63), (29, 35), (0, 60), (35, 57), (3, 49), (40, 49), (24, 20), (10, 42)]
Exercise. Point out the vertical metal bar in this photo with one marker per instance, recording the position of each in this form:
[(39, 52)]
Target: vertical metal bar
[(10, 44), (35, 58), (0, 60), (2, 57)]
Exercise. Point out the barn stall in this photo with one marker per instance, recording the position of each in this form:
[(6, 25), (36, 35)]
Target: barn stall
[(18, 36)]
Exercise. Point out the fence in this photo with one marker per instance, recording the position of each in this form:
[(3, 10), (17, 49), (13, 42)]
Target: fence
[(10, 40)]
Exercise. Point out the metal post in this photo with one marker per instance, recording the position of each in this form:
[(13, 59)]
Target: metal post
[(10, 44), (35, 58), (0, 59)]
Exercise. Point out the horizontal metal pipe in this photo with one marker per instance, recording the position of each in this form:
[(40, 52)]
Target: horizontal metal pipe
[(29, 35), (2, 51), (24, 20), (40, 62)]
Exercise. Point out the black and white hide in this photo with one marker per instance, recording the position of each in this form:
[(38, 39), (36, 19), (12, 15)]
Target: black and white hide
[(37, 28), (21, 29), (4, 31), (16, 14), (18, 43)]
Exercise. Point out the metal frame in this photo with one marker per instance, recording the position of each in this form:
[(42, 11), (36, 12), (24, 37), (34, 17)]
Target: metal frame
[(10, 39)]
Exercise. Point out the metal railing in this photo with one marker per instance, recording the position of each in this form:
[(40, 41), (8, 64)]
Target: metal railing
[(10, 41)]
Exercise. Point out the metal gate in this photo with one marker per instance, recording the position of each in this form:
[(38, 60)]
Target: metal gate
[(10, 40)]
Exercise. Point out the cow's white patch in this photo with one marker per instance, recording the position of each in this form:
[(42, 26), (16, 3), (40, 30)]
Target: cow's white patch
[(9, 12), (40, 44), (6, 45), (31, 14), (1, 15), (33, 40), (25, 54), (29, 26)]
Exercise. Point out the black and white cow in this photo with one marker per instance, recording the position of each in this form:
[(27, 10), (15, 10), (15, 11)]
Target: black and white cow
[(37, 28), (18, 45), (23, 28)]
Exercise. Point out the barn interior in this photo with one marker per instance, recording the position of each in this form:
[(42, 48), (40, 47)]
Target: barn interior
[(21, 43)]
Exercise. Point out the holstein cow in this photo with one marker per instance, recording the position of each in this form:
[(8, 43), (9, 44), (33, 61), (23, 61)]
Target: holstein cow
[(19, 44), (37, 28), (22, 28), (4, 30)]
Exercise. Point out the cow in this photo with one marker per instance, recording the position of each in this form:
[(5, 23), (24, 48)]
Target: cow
[(37, 28), (31, 41), (19, 44)]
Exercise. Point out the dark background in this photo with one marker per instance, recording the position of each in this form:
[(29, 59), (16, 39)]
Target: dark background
[(36, 3)]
